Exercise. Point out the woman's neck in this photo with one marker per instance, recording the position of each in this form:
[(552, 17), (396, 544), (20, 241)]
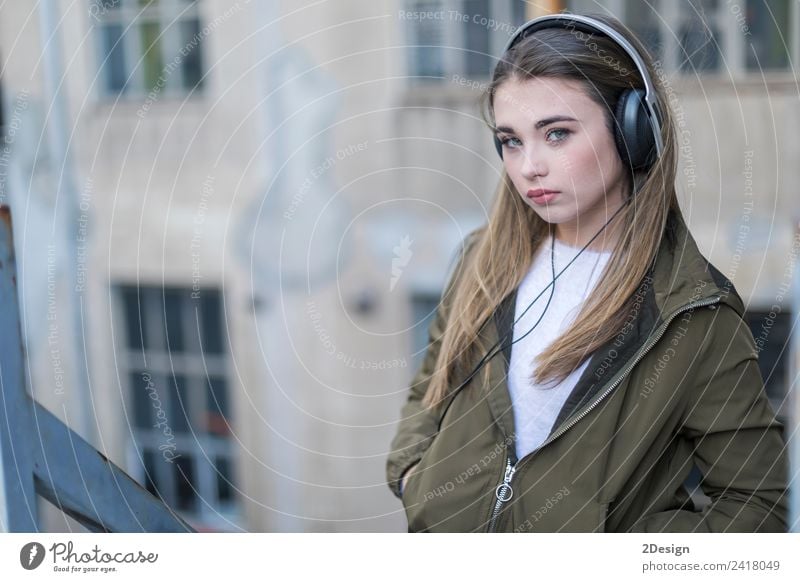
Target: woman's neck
[(605, 241)]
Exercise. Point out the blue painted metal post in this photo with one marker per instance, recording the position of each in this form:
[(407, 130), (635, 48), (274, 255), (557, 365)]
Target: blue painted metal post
[(16, 446), (41, 455)]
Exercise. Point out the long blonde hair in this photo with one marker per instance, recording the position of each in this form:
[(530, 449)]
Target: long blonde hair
[(504, 248)]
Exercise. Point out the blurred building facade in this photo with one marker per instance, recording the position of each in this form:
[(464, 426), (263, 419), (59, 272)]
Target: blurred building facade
[(265, 200)]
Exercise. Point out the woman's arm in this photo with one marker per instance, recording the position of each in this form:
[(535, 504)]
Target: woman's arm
[(737, 442), (418, 424)]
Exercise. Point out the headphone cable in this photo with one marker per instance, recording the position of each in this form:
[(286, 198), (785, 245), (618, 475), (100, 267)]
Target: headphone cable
[(492, 351)]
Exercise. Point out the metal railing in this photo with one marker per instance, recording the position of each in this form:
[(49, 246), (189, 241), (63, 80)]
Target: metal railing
[(40, 455)]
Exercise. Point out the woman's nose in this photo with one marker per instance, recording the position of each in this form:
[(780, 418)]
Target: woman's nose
[(532, 164)]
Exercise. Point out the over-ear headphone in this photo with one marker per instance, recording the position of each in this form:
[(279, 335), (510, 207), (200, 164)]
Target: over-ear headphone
[(638, 118)]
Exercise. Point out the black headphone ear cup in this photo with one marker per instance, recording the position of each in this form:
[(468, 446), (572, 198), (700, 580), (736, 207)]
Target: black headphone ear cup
[(632, 133)]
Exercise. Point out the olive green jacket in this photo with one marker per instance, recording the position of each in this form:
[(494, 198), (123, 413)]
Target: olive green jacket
[(680, 385)]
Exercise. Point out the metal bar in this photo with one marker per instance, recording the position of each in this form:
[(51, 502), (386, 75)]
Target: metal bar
[(84, 484), (16, 440), (40, 454)]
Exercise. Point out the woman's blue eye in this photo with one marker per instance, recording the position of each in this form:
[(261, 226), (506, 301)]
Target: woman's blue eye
[(506, 141), (561, 134)]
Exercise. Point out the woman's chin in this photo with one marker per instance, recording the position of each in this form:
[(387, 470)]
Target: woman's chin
[(551, 214)]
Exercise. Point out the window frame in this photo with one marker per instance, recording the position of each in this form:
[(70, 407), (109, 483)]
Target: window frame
[(203, 446), (454, 63), (168, 14), (732, 42), (421, 298)]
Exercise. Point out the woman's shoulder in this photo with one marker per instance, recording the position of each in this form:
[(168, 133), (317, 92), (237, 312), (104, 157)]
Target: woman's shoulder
[(464, 251), (472, 239)]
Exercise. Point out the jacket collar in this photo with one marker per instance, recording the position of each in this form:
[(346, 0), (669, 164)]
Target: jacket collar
[(683, 275)]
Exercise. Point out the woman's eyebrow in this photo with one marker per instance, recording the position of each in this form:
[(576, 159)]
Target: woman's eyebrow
[(539, 124)]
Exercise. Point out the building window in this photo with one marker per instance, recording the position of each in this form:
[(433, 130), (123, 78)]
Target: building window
[(769, 25), (645, 23), (174, 360), (710, 36), (699, 33), (148, 46), (458, 37), (428, 40), (423, 310)]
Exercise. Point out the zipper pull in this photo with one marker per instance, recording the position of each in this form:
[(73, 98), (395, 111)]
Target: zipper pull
[(504, 491)]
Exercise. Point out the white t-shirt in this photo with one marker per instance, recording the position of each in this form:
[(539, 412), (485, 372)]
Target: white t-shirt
[(535, 406)]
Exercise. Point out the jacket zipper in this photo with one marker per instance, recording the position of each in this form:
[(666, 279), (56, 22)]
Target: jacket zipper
[(504, 491)]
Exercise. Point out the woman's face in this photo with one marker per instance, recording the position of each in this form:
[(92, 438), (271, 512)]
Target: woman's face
[(555, 140)]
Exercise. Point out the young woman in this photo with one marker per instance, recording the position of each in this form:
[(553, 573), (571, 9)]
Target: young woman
[(585, 355)]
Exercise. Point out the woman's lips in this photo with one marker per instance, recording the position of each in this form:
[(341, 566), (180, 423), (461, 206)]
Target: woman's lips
[(542, 195)]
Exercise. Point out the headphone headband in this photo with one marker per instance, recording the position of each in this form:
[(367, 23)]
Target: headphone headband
[(592, 25)]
